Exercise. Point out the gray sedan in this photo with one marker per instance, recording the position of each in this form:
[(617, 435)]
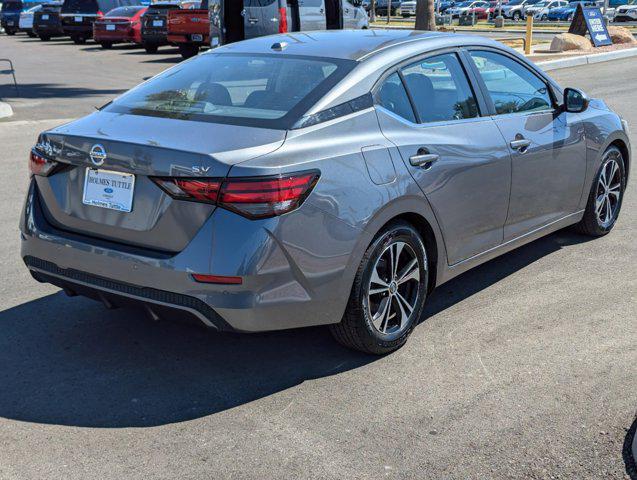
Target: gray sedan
[(332, 178)]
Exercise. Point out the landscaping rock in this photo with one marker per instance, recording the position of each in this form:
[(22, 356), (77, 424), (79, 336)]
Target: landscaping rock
[(568, 41), (621, 35)]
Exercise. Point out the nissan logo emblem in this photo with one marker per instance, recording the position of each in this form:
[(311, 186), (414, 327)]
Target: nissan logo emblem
[(97, 154)]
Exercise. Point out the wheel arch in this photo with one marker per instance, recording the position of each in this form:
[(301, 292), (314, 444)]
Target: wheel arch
[(625, 150)]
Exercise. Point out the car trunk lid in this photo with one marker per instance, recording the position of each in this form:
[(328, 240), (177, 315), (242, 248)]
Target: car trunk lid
[(145, 147)]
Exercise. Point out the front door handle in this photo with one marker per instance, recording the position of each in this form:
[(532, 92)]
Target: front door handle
[(424, 159), (520, 144)]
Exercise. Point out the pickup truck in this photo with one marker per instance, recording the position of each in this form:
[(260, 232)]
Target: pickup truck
[(189, 29)]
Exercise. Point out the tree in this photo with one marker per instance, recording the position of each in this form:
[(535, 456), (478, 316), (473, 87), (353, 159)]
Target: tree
[(372, 11), (425, 15)]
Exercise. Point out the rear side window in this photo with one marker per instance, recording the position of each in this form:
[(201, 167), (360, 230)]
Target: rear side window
[(393, 96), (512, 87), (270, 91), (440, 89)]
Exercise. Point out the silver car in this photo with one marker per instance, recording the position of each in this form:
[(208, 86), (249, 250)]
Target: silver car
[(332, 178)]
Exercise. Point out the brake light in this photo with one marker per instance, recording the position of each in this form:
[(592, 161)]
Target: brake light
[(220, 279), (40, 165), (254, 197), (283, 20), (99, 14)]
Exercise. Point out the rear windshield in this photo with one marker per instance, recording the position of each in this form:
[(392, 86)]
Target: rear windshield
[(80, 6), (269, 90), (161, 7), (128, 12), (11, 6)]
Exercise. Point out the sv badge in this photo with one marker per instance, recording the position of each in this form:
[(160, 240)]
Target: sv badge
[(200, 170)]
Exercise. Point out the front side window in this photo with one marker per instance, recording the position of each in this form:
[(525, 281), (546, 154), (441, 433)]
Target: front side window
[(269, 91), (440, 90), (11, 6), (393, 97), (512, 87)]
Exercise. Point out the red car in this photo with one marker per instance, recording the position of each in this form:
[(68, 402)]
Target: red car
[(493, 10), (120, 25)]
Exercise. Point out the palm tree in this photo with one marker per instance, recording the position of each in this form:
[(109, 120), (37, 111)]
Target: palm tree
[(425, 15)]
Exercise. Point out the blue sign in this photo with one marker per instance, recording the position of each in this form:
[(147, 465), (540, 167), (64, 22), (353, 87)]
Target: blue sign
[(597, 26)]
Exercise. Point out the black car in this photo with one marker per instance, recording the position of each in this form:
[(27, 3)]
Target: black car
[(10, 15), (381, 6), (155, 26), (78, 16), (47, 23)]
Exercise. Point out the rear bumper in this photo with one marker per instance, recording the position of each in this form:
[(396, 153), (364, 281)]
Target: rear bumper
[(177, 39), (48, 29), (113, 37), (84, 30), (283, 287)]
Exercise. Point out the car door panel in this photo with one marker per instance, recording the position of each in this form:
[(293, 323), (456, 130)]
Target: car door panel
[(547, 147), (467, 187), (312, 15), (547, 179), (467, 181)]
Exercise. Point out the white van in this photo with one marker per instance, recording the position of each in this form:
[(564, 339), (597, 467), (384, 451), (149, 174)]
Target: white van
[(235, 20)]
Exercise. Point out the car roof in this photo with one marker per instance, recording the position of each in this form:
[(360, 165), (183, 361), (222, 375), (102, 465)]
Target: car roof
[(356, 45)]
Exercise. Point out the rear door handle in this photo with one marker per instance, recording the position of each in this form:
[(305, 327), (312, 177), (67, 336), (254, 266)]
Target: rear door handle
[(424, 159), (521, 144)]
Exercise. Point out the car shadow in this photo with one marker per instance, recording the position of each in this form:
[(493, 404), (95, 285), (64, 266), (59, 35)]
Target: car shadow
[(52, 90), (69, 361)]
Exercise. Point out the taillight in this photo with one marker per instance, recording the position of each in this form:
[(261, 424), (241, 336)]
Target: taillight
[(283, 20), (100, 14), (40, 165), (253, 197)]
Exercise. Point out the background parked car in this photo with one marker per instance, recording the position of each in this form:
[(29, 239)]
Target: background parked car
[(26, 20), (446, 5), (626, 12), (189, 29), (78, 16), (540, 11), (566, 14), (120, 25), (469, 8), (381, 6), (155, 26), (408, 9), (236, 20), (47, 22), (515, 9), (10, 16), (495, 7)]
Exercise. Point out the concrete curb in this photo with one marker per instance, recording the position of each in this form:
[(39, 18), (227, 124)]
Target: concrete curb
[(587, 59), (5, 110)]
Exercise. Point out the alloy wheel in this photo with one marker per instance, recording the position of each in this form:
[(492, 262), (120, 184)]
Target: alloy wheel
[(609, 191), (393, 290)]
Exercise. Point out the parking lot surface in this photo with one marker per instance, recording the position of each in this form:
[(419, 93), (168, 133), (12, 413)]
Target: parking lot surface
[(525, 367)]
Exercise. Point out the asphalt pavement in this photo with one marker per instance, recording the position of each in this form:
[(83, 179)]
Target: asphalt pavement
[(525, 367)]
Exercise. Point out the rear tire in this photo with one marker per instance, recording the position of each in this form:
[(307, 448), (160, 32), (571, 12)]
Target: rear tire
[(10, 32), (516, 16), (78, 40), (106, 45), (151, 48), (187, 51), (31, 34), (379, 319), (606, 195), (45, 38)]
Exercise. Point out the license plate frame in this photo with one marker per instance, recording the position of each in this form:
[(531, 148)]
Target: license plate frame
[(107, 189), (78, 19), (110, 28), (45, 16), (158, 23)]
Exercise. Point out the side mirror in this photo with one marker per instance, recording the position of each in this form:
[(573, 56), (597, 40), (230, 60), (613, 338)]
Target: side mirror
[(575, 101)]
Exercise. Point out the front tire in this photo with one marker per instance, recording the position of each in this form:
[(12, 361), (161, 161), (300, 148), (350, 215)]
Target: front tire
[(605, 198), (388, 293), (45, 38), (151, 48), (31, 34), (516, 16), (106, 45)]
